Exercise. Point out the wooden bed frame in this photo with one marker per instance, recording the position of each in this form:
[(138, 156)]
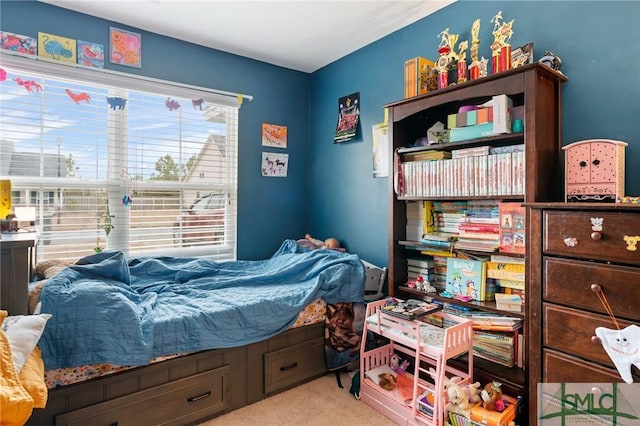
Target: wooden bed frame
[(178, 391), (192, 388)]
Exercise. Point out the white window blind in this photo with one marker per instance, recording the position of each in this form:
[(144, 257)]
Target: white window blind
[(140, 166)]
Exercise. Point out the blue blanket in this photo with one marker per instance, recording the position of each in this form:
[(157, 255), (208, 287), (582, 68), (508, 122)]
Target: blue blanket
[(109, 309)]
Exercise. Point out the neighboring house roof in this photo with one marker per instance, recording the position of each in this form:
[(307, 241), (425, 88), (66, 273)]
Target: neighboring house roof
[(26, 164), (213, 150)]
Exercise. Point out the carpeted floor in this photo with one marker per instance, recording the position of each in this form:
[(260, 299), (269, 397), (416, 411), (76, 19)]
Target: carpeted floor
[(317, 403)]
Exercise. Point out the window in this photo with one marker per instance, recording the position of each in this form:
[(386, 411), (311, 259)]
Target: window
[(110, 161)]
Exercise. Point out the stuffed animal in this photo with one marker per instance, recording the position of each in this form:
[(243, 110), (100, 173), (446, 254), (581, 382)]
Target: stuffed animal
[(397, 364), (387, 381), (492, 396), (461, 397), (458, 400)]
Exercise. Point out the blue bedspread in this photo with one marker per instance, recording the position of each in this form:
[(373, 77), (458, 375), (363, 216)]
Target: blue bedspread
[(109, 309)]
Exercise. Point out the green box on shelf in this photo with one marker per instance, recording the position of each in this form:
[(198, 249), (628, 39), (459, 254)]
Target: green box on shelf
[(470, 132)]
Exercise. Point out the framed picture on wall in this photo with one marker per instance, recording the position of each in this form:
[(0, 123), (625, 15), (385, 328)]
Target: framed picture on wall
[(56, 47), (274, 135), (274, 165), (125, 48)]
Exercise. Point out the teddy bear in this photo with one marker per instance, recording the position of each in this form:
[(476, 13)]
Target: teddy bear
[(492, 396)]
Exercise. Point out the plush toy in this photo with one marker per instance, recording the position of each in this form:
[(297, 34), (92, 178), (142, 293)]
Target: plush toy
[(492, 396), (397, 364), (461, 397), (387, 381)]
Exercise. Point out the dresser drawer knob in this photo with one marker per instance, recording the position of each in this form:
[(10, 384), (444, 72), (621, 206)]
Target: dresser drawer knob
[(632, 242), (596, 235), (570, 242), (595, 340), (596, 288)]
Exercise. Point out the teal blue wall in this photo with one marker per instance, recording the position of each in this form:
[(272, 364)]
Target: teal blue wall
[(330, 190), (270, 209), (598, 42)]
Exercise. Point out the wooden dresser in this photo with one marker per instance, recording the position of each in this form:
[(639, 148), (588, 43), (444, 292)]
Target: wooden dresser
[(575, 249)]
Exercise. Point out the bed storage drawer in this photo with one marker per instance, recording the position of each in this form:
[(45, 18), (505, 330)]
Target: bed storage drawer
[(175, 403), (293, 365)]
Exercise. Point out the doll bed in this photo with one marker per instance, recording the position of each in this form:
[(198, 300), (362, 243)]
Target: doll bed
[(237, 326)]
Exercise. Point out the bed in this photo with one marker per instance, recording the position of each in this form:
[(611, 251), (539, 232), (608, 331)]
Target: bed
[(160, 340)]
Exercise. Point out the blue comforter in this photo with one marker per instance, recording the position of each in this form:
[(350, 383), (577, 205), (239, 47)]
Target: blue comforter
[(109, 309)]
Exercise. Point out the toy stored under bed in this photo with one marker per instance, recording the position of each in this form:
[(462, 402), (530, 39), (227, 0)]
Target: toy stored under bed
[(213, 335)]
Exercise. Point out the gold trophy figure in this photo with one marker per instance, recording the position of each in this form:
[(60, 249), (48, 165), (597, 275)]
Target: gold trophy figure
[(474, 67), (462, 61)]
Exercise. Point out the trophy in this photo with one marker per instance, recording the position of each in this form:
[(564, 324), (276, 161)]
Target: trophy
[(446, 57), (462, 61), (474, 68), (500, 48)]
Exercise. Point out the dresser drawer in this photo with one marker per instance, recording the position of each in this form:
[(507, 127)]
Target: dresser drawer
[(563, 368), (176, 403), (568, 282), (570, 233), (294, 364), (573, 332)]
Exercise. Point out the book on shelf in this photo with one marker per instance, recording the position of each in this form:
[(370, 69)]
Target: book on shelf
[(510, 284), (441, 253), (420, 262), (466, 278), (512, 227), (427, 155), (497, 346), (410, 309), (439, 236), (473, 226), (508, 302), (501, 258)]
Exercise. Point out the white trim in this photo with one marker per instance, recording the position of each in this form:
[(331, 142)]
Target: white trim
[(109, 77)]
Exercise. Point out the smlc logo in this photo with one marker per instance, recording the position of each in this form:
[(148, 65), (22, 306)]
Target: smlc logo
[(588, 403)]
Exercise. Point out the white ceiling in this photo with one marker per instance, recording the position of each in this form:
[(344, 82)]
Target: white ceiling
[(298, 34)]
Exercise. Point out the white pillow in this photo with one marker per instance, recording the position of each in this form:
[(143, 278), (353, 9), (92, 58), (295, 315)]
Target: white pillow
[(23, 332), (374, 373)]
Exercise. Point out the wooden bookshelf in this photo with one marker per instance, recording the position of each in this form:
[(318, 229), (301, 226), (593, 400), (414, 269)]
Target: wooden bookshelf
[(537, 89)]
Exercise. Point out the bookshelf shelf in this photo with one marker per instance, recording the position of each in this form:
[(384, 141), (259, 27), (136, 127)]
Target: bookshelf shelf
[(486, 306), (535, 90)]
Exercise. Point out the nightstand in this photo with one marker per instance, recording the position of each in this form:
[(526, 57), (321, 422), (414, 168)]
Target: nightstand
[(17, 260)]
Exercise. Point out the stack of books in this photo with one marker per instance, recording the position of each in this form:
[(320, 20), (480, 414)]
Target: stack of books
[(497, 338), (420, 267), (481, 231), (439, 280), (415, 220), (508, 272)]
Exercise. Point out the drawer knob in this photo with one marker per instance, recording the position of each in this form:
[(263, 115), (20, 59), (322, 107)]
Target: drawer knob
[(596, 235), (595, 340), (596, 288)]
